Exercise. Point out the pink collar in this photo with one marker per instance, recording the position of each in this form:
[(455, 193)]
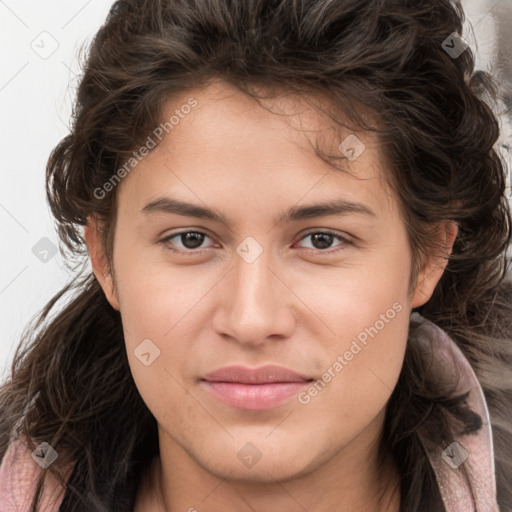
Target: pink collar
[(464, 468)]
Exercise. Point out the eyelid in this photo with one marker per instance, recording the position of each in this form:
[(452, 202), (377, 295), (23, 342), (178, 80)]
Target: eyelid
[(327, 231), (189, 252), (343, 238)]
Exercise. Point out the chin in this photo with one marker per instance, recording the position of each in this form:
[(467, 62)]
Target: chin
[(264, 465)]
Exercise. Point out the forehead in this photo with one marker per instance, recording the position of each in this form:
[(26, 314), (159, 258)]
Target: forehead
[(228, 142), (276, 117)]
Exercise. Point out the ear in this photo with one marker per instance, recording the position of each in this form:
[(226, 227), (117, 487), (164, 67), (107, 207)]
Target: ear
[(99, 260), (435, 264)]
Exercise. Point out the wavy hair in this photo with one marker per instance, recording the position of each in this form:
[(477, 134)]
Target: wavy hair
[(382, 66)]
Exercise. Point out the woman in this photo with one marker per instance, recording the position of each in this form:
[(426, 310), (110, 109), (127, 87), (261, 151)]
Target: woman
[(298, 296)]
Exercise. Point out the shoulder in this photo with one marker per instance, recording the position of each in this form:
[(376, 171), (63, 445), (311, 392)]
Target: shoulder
[(19, 472)]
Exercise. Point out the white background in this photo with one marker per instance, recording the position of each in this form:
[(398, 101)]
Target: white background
[(36, 95)]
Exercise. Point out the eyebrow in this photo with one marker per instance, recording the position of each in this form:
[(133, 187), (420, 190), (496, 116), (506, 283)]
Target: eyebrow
[(296, 213)]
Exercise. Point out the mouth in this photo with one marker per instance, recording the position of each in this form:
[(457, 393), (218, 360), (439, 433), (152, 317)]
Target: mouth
[(254, 389)]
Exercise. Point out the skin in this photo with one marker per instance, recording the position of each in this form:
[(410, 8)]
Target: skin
[(298, 305)]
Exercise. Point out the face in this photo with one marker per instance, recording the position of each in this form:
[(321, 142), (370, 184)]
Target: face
[(221, 260)]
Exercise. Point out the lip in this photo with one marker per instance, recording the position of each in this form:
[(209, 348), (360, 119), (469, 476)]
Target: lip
[(260, 388), (263, 375)]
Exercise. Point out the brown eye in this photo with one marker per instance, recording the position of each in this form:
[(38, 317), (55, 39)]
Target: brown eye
[(321, 240), (187, 241)]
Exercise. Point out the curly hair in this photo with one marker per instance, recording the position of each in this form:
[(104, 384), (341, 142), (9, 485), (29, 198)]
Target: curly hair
[(381, 66)]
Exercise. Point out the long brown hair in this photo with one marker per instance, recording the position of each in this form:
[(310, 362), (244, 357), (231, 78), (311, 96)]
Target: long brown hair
[(70, 382)]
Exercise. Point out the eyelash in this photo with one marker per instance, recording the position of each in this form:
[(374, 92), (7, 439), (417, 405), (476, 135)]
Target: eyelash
[(191, 252)]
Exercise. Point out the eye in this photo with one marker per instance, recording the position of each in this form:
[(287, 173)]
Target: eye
[(192, 240), (189, 241), (322, 240)]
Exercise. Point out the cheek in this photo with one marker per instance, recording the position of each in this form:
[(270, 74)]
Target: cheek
[(358, 378), (369, 292), (156, 366), (153, 295), (368, 311), (159, 306)]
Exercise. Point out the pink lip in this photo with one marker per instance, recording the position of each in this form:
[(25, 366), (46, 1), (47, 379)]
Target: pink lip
[(254, 389)]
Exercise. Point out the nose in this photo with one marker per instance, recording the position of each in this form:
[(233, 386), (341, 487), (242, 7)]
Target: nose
[(255, 304)]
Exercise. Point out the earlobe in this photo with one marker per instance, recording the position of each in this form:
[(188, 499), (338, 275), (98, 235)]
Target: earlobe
[(435, 264), (99, 261)]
